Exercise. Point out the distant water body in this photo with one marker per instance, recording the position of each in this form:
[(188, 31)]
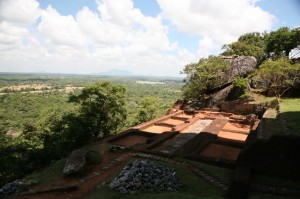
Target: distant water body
[(149, 82)]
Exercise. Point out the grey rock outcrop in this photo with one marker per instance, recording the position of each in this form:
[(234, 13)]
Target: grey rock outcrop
[(75, 162), (145, 175), (240, 66)]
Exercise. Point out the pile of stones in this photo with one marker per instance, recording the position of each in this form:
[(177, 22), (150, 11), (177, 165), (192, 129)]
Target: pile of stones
[(10, 188), (145, 175)]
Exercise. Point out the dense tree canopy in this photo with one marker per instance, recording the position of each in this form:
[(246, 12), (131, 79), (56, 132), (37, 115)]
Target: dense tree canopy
[(147, 109), (273, 45), (102, 107), (249, 44), (203, 76), (280, 42)]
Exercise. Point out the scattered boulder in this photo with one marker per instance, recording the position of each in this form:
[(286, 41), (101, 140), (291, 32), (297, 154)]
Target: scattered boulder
[(189, 111), (250, 119), (76, 162), (145, 175)]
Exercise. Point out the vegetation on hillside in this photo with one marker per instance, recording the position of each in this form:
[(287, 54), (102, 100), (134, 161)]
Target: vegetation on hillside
[(275, 71), (54, 122)]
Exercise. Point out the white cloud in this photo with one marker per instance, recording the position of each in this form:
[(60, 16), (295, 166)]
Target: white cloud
[(59, 29), (217, 22), (19, 11), (10, 34), (117, 35)]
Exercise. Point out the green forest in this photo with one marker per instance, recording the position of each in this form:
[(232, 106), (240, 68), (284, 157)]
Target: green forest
[(44, 117)]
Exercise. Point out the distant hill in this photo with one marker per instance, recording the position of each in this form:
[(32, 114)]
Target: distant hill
[(117, 72)]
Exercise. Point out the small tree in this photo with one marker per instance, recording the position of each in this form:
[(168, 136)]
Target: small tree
[(239, 90), (102, 108), (203, 76), (148, 109), (279, 76)]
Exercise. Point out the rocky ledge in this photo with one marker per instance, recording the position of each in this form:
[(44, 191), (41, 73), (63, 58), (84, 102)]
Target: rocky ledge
[(145, 175)]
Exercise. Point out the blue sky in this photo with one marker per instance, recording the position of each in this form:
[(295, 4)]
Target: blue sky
[(147, 37)]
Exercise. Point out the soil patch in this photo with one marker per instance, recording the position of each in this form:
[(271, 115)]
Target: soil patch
[(243, 128), (157, 129), (131, 140), (173, 121), (232, 136), (220, 151), (86, 187)]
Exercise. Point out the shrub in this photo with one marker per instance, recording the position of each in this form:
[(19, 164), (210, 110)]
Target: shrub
[(240, 86)]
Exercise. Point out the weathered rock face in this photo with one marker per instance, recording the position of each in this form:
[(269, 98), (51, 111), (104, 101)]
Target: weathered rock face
[(219, 97), (145, 175), (75, 162), (241, 66)]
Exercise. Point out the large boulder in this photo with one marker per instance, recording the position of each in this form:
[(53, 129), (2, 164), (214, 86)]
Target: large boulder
[(240, 66), (75, 162)]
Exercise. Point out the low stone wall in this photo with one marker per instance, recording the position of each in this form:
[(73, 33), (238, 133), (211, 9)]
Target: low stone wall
[(242, 108)]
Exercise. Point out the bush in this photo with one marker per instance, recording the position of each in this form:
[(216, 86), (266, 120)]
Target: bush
[(240, 83), (93, 156), (240, 86)]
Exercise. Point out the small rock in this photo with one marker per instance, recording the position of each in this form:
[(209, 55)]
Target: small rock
[(75, 162), (122, 190)]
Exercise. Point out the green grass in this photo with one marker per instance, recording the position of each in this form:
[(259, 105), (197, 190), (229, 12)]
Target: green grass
[(258, 98), (223, 174), (275, 182), (194, 187), (290, 109), (50, 174), (93, 156), (272, 124), (258, 195), (272, 182)]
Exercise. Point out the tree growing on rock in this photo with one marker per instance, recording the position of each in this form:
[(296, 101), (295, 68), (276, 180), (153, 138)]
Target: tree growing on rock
[(249, 44), (203, 76), (279, 76)]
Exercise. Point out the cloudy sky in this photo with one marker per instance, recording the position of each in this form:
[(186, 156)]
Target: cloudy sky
[(147, 37)]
